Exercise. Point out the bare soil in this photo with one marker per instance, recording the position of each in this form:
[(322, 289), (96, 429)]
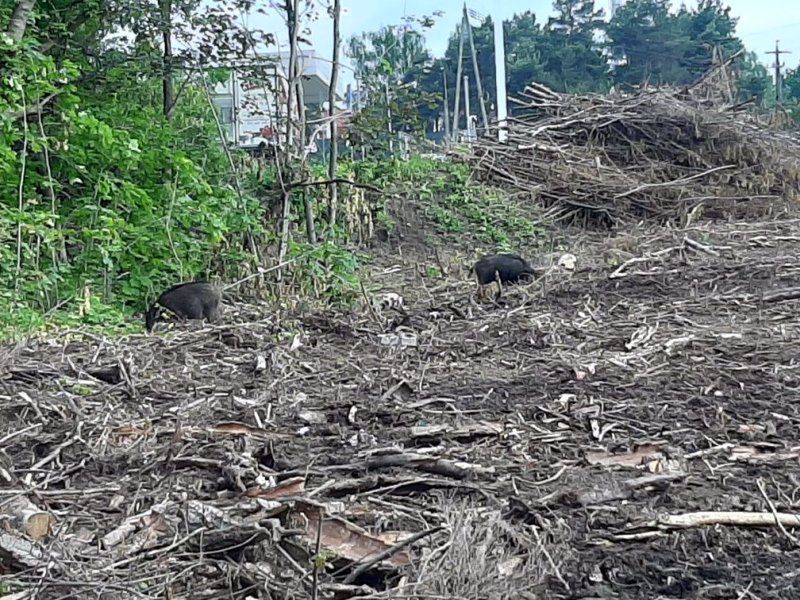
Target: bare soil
[(556, 444)]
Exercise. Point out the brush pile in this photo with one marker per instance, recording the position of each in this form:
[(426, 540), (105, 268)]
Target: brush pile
[(656, 154)]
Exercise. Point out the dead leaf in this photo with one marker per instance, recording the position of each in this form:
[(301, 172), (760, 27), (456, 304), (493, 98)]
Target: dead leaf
[(129, 431), (346, 539), (233, 428), (507, 567), (638, 457), (296, 343), (155, 527), (39, 525), (313, 417)]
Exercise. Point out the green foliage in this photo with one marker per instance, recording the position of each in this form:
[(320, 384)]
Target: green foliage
[(114, 197), (19, 320), (661, 47), (754, 81), (791, 83), (483, 212), (327, 269), (452, 200), (573, 60), (388, 63), (387, 54)]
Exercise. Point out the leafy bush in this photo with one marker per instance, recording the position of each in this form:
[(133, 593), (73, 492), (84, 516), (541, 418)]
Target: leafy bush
[(452, 200), (108, 194)]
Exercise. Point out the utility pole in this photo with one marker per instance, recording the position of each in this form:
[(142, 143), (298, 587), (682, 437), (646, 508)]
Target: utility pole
[(458, 76), (475, 69), (446, 107), (466, 103), (500, 79), (778, 65)]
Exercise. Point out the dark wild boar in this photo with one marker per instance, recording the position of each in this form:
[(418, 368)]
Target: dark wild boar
[(507, 268), (195, 300)]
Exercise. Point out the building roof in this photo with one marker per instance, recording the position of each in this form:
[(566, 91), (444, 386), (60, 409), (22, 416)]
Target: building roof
[(316, 72), (311, 65)]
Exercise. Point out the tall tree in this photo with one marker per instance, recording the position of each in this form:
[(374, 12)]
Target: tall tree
[(791, 81), (648, 43), (387, 54), (653, 45), (710, 24), (754, 80), (574, 60), (387, 63), (526, 42), (577, 18), (166, 35)]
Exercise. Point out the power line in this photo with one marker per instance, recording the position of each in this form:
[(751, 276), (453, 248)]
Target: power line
[(744, 32)]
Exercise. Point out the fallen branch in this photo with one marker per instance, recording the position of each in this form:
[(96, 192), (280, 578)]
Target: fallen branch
[(734, 518), (303, 184), (31, 110)]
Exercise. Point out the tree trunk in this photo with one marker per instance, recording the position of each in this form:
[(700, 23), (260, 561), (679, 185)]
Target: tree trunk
[(311, 230), (290, 6), (291, 20), (166, 32), (19, 19), (334, 151)]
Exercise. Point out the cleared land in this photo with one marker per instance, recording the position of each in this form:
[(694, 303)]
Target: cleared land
[(557, 443), (625, 428)]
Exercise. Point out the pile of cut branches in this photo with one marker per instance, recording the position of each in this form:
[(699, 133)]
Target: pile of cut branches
[(656, 153)]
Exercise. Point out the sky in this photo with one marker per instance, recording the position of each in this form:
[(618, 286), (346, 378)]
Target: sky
[(761, 22)]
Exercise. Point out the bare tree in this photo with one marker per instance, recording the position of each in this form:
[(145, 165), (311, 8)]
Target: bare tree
[(301, 115), (290, 6), (334, 151), (19, 19), (166, 33)]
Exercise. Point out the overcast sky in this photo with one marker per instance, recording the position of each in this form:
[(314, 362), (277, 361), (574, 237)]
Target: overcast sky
[(761, 22)]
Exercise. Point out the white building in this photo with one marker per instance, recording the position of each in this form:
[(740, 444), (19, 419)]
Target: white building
[(252, 102)]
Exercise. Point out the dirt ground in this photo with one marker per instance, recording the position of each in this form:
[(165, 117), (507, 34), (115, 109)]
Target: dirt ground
[(603, 432)]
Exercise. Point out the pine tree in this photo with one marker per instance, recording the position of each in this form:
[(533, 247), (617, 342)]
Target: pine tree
[(574, 59), (659, 47)]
